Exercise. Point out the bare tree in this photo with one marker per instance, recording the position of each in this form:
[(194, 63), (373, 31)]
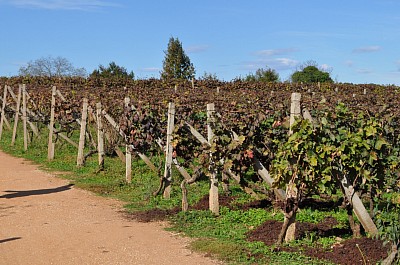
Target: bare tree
[(51, 67)]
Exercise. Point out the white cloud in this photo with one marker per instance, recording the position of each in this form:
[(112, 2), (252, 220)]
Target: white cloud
[(364, 71), (274, 63), (273, 52), (196, 48), (398, 65), (268, 58), (285, 63), (367, 49), (86, 5), (349, 63)]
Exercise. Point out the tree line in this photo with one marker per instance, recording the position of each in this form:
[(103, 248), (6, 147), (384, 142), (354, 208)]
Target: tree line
[(176, 65)]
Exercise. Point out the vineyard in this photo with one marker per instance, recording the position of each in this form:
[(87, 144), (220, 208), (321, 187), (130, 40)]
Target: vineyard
[(290, 144)]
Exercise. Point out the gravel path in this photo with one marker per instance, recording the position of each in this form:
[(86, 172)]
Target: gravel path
[(45, 220)]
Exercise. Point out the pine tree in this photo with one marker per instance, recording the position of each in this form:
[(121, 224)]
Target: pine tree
[(176, 64)]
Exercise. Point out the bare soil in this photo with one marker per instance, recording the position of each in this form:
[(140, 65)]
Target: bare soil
[(345, 252), (46, 220)]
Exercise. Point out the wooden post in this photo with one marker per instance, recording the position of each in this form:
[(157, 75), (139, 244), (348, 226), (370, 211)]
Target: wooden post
[(359, 208), (6, 122), (51, 144), (114, 124), (181, 170), (100, 136), (264, 174), (128, 165), (127, 100), (60, 95), (24, 118), (295, 109), (16, 117), (185, 204), (63, 136), (80, 159), (291, 191), (2, 110), (192, 82), (213, 196), (128, 153), (225, 182), (33, 126), (12, 93), (196, 134), (148, 162), (168, 151), (210, 122)]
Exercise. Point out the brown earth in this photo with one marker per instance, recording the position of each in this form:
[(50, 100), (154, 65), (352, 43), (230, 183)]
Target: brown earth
[(45, 220), (345, 252), (362, 251)]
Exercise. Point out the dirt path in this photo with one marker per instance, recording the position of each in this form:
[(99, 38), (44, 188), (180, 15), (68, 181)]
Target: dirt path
[(44, 220)]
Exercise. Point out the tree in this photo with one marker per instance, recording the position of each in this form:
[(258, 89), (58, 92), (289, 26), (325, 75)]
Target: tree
[(310, 73), (51, 67), (112, 71), (263, 75), (209, 77), (176, 63)]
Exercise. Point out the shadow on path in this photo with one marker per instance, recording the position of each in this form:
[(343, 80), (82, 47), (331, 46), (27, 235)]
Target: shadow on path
[(24, 193), (9, 239)]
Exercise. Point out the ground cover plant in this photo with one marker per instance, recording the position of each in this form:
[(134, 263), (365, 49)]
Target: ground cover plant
[(353, 132)]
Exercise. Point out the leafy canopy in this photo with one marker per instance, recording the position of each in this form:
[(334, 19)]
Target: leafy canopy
[(310, 73), (209, 77), (263, 75), (176, 64), (112, 71)]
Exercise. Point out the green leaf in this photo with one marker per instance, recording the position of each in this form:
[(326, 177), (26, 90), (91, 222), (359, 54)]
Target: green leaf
[(313, 161), (379, 143), (372, 157), (370, 131)]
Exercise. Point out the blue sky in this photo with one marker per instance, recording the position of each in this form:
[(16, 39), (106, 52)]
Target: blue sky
[(357, 40)]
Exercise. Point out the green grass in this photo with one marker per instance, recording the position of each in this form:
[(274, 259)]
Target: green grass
[(223, 237)]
